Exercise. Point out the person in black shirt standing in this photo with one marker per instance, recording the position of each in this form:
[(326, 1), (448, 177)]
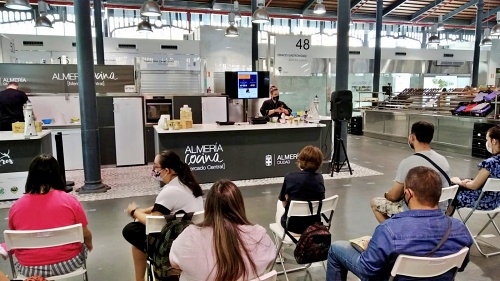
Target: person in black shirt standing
[(11, 106), (273, 107)]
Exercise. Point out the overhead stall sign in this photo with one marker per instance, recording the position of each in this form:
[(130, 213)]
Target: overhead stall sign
[(293, 55), (56, 78)]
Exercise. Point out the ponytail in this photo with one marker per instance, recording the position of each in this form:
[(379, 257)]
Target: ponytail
[(186, 177)]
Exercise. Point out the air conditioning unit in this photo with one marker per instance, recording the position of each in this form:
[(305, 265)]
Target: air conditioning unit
[(449, 63)]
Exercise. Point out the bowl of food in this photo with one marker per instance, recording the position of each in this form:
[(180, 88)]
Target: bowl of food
[(47, 121)]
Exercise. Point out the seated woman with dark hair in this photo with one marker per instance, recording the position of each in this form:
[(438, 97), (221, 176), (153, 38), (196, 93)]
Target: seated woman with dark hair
[(470, 190), (225, 246), (46, 205), (181, 192)]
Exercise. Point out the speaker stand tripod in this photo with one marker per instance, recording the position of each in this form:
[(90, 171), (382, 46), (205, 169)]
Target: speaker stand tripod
[(335, 163)]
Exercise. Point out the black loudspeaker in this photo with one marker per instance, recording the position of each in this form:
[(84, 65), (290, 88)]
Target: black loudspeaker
[(341, 105)]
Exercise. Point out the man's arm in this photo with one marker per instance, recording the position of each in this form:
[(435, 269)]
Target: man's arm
[(378, 253), (395, 193)]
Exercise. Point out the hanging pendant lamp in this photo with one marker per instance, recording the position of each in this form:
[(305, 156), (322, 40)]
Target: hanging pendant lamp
[(42, 21), (22, 5), (319, 8), (440, 25), (144, 26), (496, 29), (260, 15), (150, 9), (237, 14), (231, 30), (486, 40)]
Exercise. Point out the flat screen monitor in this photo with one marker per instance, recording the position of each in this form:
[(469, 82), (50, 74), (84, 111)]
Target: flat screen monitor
[(247, 84)]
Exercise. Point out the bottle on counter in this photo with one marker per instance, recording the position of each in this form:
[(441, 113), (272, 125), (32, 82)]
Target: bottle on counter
[(186, 117), (29, 121)]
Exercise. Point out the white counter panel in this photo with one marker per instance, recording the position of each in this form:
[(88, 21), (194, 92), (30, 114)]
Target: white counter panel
[(9, 136), (198, 128)]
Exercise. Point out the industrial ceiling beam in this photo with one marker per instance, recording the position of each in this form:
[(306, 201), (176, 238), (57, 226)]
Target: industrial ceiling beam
[(459, 10), (424, 10), (354, 3), (196, 7), (392, 7), (307, 5), (487, 16)]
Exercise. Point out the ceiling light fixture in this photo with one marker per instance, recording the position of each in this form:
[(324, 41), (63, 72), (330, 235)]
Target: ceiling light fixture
[(434, 40), (144, 26), (150, 9), (231, 30), (42, 21), (18, 5), (260, 15), (496, 29), (440, 25), (319, 8), (237, 14), (486, 40)]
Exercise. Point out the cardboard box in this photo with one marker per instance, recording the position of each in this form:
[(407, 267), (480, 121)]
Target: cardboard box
[(18, 127), (187, 124), (174, 124)]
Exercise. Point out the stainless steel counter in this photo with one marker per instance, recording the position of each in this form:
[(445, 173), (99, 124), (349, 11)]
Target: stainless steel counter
[(452, 133)]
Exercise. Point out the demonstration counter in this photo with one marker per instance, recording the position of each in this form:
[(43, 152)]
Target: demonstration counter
[(16, 154), (240, 152)]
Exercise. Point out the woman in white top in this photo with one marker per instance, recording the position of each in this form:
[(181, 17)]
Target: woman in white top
[(181, 192), (225, 246)]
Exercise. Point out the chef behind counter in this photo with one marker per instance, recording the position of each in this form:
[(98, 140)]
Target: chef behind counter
[(12, 101)]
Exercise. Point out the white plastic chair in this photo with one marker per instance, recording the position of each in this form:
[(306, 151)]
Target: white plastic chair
[(448, 194), (425, 267), (38, 239), (154, 224), (491, 185), (270, 276), (301, 209)]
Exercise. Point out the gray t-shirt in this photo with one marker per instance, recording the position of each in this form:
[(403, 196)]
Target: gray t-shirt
[(415, 161)]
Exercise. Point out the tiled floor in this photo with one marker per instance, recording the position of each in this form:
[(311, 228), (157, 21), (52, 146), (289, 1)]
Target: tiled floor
[(376, 162)]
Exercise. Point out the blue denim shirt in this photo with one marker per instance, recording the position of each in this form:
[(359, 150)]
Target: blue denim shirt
[(413, 232)]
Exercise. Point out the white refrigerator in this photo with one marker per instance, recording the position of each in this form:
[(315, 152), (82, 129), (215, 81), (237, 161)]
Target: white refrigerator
[(129, 131)]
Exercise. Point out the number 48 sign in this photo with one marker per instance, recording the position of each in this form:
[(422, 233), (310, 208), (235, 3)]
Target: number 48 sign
[(293, 55), (303, 45)]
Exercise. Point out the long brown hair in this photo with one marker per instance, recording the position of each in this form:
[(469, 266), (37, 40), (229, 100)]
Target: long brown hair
[(225, 212)]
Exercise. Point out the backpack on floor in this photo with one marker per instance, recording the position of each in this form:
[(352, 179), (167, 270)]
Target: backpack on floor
[(159, 246), (314, 242)]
